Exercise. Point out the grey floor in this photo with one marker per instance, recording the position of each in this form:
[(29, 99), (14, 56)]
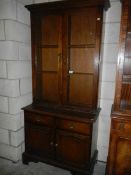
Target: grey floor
[(9, 168)]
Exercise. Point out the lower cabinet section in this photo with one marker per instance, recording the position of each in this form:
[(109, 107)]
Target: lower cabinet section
[(119, 158), (61, 140)]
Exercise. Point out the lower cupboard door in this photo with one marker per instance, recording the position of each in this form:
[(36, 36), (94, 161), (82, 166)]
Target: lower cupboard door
[(39, 141), (73, 149), (123, 157)]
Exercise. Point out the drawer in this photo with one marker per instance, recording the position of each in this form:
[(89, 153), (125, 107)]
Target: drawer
[(121, 126), (83, 128), (39, 119)]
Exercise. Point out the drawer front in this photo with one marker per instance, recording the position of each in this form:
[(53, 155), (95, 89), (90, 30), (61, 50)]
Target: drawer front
[(83, 128), (121, 126), (39, 119)]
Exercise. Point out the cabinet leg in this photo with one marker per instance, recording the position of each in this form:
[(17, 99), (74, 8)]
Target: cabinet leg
[(25, 160)]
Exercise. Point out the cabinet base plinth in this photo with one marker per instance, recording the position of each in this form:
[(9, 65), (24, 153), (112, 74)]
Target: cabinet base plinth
[(26, 158)]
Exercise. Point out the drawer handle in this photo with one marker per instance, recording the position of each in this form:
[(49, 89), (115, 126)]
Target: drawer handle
[(71, 127), (38, 121), (56, 145), (122, 125)]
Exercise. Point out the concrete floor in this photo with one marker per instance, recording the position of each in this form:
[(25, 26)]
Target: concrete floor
[(9, 168)]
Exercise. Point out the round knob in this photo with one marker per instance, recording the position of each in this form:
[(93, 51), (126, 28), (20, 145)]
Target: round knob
[(71, 127), (98, 19), (51, 143), (56, 145), (38, 120)]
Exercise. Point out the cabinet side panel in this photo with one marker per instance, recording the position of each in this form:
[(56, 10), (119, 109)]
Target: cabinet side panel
[(94, 137)]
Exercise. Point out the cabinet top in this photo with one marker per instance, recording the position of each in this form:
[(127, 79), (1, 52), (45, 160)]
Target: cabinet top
[(84, 116), (126, 2), (64, 4)]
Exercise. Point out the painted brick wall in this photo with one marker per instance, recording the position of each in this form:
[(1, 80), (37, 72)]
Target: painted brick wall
[(15, 76)]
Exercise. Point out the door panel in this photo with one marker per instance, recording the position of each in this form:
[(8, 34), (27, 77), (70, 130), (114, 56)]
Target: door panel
[(126, 94), (82, 66), (81, 89), (127, 66), (50, 30), (123, 157), (39, 140), (83, 27), (50, 87), (73, 149), (128, 46), (82, 60), (49, 60)]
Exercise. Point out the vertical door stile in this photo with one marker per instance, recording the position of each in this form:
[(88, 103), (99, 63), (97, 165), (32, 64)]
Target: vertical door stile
[(97, 58), (65, 38), (60, 57), (68, 57)]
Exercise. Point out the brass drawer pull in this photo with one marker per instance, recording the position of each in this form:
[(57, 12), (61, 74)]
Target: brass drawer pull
[(38, 120), (71, 127), (121, 126), (56, 145)]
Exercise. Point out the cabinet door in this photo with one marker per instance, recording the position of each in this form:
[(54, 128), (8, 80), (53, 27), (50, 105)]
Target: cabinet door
[(39, 140), (48, 61), (119, 160), (123, 156), (72, 149), (83, 56), (126, 77)]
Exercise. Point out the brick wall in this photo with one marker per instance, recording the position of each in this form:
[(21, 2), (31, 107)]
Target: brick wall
[(15, 76)]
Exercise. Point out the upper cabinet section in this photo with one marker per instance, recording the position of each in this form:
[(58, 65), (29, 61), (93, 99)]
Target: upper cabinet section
[(66, 40), (65, 4), (123, 81)]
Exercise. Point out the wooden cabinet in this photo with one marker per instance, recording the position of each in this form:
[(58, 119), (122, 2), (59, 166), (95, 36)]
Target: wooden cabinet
[(119, 156), (66, 50), (61, 125), (65, 140)]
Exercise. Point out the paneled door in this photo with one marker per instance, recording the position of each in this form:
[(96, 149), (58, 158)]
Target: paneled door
[(49, 59), (72, 149), (82, 56)]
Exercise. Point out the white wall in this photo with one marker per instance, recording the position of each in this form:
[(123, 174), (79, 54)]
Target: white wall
[(109, 52), (15, 74)]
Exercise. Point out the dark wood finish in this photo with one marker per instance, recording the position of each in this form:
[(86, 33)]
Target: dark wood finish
[(119, 156), (57, 138), (64, 4), (74, 142), (61, 126), (78, 127), (39, 140), (62, 68)]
